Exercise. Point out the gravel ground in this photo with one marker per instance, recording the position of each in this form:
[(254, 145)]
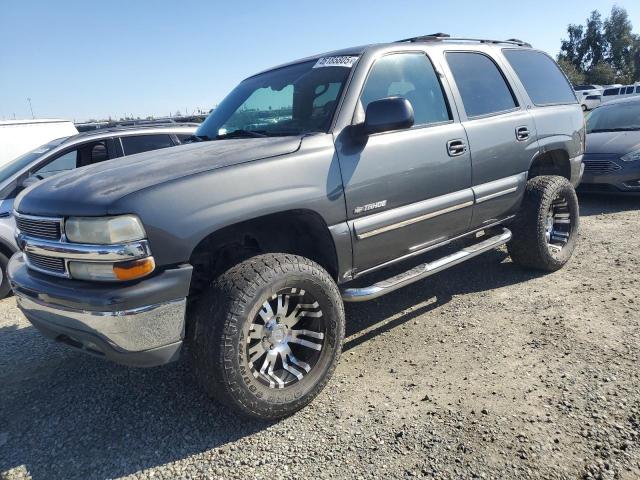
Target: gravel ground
[(484, 371)]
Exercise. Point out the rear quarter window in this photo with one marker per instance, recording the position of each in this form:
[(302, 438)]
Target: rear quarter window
[(542, 78)]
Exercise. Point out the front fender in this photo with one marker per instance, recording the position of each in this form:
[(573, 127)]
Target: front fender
[(178, 214)]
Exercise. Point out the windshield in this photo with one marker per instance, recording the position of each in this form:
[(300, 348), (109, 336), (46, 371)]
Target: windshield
[(292, 100), (17, 164), (613, 118)]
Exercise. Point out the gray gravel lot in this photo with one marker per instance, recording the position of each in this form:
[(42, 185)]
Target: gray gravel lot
[(484, 371)]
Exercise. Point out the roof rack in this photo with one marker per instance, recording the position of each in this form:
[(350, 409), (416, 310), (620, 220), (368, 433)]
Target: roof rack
[(444, 37)]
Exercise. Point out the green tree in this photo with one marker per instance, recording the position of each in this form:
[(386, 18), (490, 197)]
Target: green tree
[(618, 31), (594, 42), (571, 50), (574, 75), (602, 74), (605, 52)]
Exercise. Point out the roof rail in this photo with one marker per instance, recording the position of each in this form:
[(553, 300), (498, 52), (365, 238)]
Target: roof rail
[(443, 37)]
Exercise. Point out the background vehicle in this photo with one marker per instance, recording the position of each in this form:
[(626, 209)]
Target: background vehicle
[(20, 136), (67, 153), (617, 93), (612, 156), (309, 177), (590, 99)]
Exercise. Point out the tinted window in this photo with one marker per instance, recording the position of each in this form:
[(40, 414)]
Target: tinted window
[(611, 91), (629, 90), (621, 116), (593, 97), (482, 87), (184, 137), (410, 76), (541, 77), (144, 143), (67, 161), (637, 89)]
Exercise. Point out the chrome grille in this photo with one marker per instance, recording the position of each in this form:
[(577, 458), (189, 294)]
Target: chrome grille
[(39, 227), (46, 264), (600, 166)]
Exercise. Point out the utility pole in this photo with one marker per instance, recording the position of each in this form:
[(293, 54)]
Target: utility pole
[(30, 107)]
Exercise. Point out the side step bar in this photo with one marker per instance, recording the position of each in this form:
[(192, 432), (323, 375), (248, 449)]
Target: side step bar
[(425, 270)]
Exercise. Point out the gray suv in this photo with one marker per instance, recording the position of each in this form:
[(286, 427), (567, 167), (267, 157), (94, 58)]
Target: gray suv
[(307, 178), (66, 153)]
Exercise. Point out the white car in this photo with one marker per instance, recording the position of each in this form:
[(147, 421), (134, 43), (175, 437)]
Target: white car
[(591, 100), (18, 137)]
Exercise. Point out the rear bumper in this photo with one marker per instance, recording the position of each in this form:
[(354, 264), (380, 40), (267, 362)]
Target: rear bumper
[(139, 324)]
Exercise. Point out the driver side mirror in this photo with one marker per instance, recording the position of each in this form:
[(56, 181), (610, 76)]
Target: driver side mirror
[(28, 181), (387, 114)]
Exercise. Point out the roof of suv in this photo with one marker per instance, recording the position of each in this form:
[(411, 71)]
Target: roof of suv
[(433, 39)]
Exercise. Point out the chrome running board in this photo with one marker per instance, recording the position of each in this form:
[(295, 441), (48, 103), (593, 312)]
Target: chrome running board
[(425, 270)]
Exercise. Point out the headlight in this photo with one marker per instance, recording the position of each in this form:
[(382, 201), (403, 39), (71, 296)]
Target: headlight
[(104, 230), (631, 156), (112, 272)]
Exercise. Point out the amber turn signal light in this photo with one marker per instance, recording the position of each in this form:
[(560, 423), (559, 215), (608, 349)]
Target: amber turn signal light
[(134, 269)]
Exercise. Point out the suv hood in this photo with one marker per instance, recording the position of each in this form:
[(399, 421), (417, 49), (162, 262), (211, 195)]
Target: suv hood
[(89, 191), (617, 143)]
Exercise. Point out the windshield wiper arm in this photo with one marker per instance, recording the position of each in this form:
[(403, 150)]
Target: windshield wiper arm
[(241, 134)]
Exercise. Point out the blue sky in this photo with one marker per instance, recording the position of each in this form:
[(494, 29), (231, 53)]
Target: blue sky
[(80, 60)]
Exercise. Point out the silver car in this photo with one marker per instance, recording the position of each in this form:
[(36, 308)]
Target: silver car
[(67, 153)]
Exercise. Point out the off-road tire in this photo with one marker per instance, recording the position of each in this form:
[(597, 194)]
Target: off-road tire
[(222, 320), (529, 247), (5, 288)]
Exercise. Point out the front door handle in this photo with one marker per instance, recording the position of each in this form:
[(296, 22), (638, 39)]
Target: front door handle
[(522, 133), (456, 147)]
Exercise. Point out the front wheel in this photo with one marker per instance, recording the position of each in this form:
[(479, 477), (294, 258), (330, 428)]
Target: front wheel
[(5, 289), (268, 335), (546, 228)]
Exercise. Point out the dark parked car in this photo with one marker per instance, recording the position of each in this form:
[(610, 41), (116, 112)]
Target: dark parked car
[(612, 156), (68, 153), (309, 177)]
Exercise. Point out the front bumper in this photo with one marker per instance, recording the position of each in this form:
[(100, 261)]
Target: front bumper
[(138, 324), (609, 174)]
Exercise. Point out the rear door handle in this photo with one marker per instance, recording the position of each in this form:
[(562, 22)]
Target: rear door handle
[(522, 133), (456, 147)]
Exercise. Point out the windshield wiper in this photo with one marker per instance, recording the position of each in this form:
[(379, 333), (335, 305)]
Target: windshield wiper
[(621, 129), (196, 138), (242, 134)]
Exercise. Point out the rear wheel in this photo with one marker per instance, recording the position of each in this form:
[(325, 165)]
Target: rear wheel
[(546, 228), (268, 335)]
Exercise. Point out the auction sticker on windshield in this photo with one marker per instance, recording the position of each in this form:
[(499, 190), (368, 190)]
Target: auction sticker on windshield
[(342, 61)]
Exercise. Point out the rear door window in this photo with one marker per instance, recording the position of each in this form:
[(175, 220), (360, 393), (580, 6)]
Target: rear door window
[(542, 78), (482, 86), (143, 143)]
